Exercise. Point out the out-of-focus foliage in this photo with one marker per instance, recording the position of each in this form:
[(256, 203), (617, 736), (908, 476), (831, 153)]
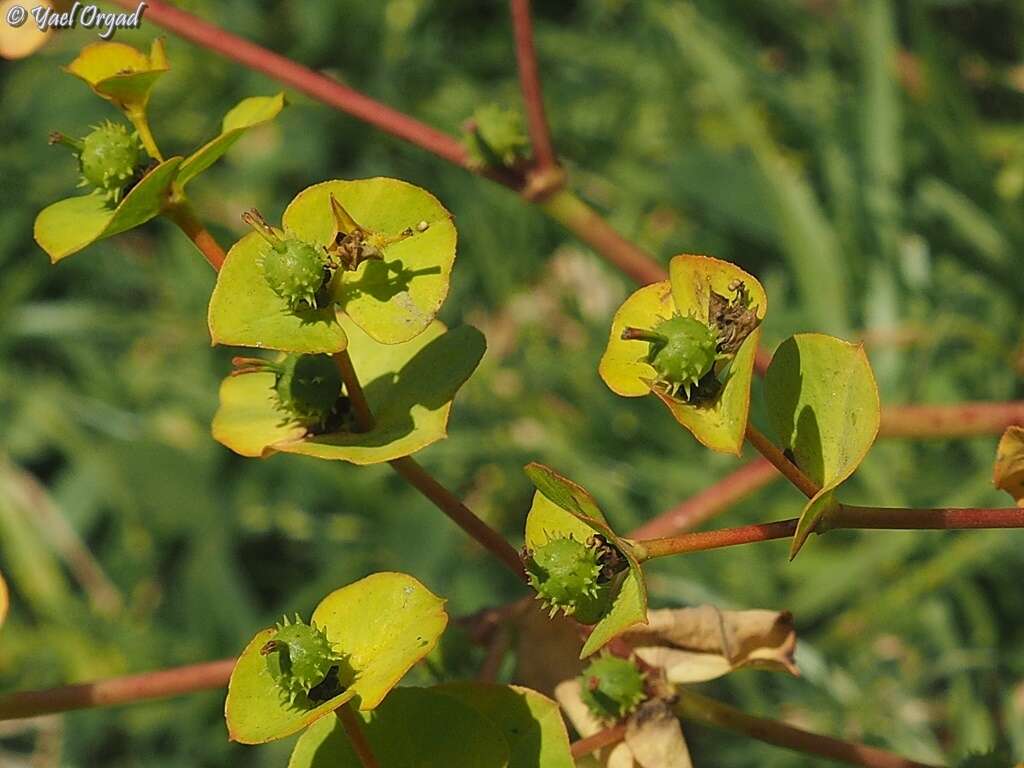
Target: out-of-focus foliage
[(865, 160)]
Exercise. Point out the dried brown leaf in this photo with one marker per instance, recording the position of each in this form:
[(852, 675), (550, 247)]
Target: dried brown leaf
[(697, 644)]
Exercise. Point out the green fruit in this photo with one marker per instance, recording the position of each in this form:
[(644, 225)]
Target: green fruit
[(687, 354), (109, 158), (294, 269), (612, 687), (683, 351), (307, 387), (565, 573), (299, 658)]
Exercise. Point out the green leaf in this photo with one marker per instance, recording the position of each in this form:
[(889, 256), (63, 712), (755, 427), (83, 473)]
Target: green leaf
[(419, 727), (823, 401), (409, 388), (244, 311), (121, 73), (382, 624), (395, 298), (562, 508), (720, 423), (68, 226), (248, 113), (532, 723)]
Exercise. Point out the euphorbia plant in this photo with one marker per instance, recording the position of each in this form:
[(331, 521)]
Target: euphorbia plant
[(345, 294)]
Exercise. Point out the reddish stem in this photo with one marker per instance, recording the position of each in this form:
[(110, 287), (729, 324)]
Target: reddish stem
[(788, 469), (117, 690), (301, 78), (354, 390), (181, 213), (845, 517), (956, 420), (900, 518), (693, 706), (353, 726), (459, 513), (724, 537), (599, 740), (529, 81)]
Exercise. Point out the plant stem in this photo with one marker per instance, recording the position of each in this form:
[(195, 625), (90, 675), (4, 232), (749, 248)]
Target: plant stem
[(580, 219), (693, 706), (575, 215), (956, 420), (364, 417), (725, 537), (788, 469), (141, 123), (422, 481), (117, 690), (353, 726), (845, 517), (529, 81), (899, 518), (459, 513), (318, 86), (709, 502), (181, 213), (599, 740)]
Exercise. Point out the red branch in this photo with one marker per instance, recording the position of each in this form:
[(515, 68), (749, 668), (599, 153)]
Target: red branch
[(945, 421), (529, 81), (303, 79), (597, 741), (118, 690)]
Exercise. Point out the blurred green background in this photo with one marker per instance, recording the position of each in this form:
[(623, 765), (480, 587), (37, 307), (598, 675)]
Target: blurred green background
[(864, 159)]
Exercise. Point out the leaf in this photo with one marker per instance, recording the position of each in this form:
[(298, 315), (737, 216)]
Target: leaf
[(419, 727), (583, 519), (121, 73), (395, 298), (823, 400), (68, 226), (1009, 470), (720, 423), (244, 312), (248, 113), (382, 624), (409, 388), (653, 738), (694, 645), (623, 365), (531, 722)]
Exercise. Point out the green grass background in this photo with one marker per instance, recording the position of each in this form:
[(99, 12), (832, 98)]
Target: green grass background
[(864, 159)]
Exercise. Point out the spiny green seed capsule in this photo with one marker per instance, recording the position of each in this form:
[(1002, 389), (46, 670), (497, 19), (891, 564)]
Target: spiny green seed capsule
[(682, 351), (299, 658), (612, 687), (567, 576), (109, 158), (307, 387), (294, 269)]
